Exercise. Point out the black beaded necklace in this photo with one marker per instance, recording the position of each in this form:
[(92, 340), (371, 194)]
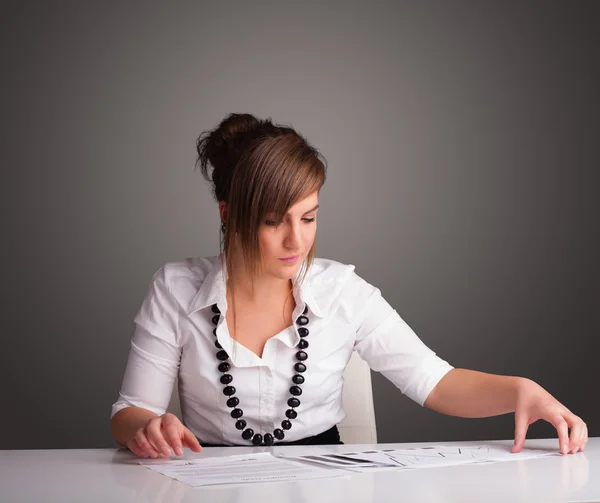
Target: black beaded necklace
[(295, 390)]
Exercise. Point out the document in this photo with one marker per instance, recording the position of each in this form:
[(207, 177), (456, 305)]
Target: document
[(238, 469), (420, 457)]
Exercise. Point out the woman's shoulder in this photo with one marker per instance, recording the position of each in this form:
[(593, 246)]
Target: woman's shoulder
[(336, 283), (190, 267), (332, 277), (336, 276), (324, 270), (191, 271)]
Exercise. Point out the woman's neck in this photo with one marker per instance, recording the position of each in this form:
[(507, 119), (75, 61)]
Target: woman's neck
[(265, 290)]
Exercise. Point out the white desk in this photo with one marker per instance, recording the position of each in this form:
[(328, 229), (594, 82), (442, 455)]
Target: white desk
[(111, 476)]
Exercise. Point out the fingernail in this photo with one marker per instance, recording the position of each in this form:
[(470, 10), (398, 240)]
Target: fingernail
[(179, 451)]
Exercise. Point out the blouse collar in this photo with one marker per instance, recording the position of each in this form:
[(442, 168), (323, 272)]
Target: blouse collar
[(213, 291)]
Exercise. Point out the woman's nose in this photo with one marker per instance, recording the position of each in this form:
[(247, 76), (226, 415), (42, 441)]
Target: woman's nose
[(293, 238)]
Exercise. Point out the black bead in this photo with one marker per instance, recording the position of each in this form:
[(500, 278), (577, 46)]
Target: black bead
[(233, 401), (224, 367), (215, 332), (218, 345), (222, 355), (215, 309), (301, 355), (285, 424), (237, 413), (268, 440), (296, 390), (228, 390), (226, 378), (247, 434), (303, 332), (257, 439), (215, 319), (241, 424), (299, 367), (279, 435), (303, 344), (291, 414), (293, 402), (298, 379), (305, 310), (302, 320)]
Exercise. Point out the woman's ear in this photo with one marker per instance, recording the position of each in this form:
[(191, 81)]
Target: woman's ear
[(223, 212)]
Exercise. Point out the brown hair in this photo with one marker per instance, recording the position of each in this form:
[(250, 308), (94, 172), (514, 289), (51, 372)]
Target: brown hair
[(257, 168)]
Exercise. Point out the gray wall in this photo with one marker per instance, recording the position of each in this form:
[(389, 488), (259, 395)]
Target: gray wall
[(462, 142)]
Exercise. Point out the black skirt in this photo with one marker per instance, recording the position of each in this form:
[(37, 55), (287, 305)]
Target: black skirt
[(329, 437)]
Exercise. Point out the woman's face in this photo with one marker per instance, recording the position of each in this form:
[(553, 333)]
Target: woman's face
[(292, 238)]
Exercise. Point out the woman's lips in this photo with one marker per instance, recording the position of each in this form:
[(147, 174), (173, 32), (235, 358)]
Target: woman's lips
[(290, 260)]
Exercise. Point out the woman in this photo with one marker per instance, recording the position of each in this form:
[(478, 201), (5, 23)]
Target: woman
[(260, 335)]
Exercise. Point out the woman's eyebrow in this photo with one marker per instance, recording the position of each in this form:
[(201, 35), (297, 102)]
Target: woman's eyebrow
[(312, 209)]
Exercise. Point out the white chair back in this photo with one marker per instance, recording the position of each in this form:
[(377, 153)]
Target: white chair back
[(358, 427)]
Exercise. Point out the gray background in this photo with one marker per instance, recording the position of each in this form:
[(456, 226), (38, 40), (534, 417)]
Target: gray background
[(462, 144)]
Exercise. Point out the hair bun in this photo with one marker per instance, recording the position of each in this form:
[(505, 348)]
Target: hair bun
[(234, 124), (220, 148)]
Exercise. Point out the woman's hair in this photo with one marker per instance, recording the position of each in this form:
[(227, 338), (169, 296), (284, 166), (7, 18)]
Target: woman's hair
[(258, 168)]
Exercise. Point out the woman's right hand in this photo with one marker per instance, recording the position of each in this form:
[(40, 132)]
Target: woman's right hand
[(160, 435)]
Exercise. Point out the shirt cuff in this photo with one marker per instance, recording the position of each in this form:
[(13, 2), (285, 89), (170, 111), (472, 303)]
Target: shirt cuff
[(427, 376)]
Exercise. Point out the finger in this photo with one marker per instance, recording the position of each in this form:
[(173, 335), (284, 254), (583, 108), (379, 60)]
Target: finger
[(143, 442), (585, 438), (191, 441), (133, 446), (521, 425), (577, 432), (563, 433), (171, 434), (137, 449), (156, 437)]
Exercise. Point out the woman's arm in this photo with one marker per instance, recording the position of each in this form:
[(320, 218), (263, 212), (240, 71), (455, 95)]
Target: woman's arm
[(125, 423), (468, 393)]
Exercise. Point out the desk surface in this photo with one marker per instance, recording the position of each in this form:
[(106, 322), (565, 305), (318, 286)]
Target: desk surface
[(112, 475)]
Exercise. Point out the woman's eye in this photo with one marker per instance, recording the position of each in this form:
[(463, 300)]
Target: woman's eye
[(271, 223), (309, 220)]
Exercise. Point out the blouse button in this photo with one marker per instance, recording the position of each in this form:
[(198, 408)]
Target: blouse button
[(301, 355), (302, 320), (226, 378), (300, 367), (222, 355)]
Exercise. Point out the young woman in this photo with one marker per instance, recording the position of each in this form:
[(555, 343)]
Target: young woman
[(260, 335)]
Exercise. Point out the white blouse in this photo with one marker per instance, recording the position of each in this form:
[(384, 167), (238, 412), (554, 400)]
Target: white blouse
[(173, 337)]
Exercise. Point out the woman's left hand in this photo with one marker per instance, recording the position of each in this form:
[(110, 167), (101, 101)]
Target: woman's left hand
[(535, 403)]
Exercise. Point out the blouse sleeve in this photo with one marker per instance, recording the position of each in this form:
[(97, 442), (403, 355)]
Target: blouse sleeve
[(155, 352), (390, 346)]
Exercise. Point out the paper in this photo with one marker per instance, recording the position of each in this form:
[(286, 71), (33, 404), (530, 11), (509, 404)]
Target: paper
[(239, 469), (421, 457)]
